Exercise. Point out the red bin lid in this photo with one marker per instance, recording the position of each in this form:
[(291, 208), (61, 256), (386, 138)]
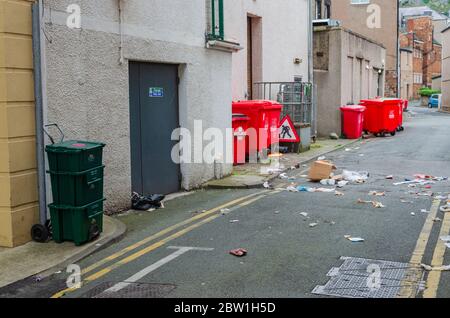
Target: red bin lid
[(353, 108)]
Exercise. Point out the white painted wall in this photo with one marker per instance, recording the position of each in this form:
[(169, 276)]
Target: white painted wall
[(88, 90), (284, 38)]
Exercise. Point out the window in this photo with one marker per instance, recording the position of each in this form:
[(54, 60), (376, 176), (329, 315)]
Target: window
[(217, 26), (417, 78), (418, 53), (318, 9), (328, 10)]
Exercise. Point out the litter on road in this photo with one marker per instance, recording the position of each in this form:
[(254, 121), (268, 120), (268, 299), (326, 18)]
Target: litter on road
[(311, 225), (240, 252), (353, 176), (377, 194), (436, 269), (146, 203), (375, 204), (354, 239), (321, 170)]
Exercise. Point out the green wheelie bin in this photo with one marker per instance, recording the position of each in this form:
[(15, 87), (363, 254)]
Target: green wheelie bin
[(76, 172)]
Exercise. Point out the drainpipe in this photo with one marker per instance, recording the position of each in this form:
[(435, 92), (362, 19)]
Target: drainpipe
[(39, 117), (398, 51), (311, 68)]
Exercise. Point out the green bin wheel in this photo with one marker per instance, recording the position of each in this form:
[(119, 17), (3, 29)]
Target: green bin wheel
[(94, 232), (40, 233)]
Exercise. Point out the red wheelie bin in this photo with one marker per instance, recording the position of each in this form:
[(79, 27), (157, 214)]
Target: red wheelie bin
[(352, 121), (382, 116), (240, 126), (264, 118)]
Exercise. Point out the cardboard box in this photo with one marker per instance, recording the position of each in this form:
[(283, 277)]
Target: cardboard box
[(321, 170)]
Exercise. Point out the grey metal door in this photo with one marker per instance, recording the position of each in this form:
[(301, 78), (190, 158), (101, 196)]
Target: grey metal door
[(153, 117)]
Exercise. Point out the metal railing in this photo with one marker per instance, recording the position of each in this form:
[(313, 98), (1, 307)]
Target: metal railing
[(296, 98)]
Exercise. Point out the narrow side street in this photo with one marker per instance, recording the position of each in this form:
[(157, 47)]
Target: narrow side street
[(183, 249)]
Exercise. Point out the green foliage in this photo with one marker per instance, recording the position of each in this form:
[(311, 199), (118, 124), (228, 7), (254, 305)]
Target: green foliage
[(427, 92), (438, 5)]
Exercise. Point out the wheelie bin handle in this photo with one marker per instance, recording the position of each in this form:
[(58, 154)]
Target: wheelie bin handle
[(49, 136)]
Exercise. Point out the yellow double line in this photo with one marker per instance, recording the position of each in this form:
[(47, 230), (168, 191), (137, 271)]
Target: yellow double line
[(205, 217), (414, 273)]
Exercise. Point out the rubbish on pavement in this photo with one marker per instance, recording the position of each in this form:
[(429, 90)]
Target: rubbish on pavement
[(234, 221), (354, 239), (321, 170), (283, 176), (225, 211), (413, 213), (334, 136), (405, 201), (304, 214), (339, 194), (321, 158), (353, 176), (348, 149), (424, 211), (445, 209), (437, 220), (313, 225), (377, 194), (390, 177), (146, 203), (375, 204), (240, 252), (267, 185)]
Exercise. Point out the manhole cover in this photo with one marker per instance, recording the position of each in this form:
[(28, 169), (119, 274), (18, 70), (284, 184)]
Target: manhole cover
[(133, 290), (352, 279)]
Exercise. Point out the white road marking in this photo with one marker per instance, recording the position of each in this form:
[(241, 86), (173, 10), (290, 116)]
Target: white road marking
[(141, 274)]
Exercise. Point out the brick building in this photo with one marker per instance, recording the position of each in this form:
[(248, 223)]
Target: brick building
[(419, 37)]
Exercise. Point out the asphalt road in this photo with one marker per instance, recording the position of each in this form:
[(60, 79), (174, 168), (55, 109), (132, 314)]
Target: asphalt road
[(286, 257)]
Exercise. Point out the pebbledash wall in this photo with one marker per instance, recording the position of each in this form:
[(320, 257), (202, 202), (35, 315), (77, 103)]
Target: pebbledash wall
[(18, 178), (88, 89), (280, 35)]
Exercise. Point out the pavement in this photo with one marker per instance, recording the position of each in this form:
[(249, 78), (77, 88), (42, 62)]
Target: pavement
[(183, 249), (39, 260)]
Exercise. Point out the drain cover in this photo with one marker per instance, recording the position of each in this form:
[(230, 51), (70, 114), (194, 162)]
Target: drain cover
[(133, 290), (351, 279)]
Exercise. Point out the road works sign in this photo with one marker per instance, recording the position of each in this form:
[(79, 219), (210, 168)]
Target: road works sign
[(287, 131)]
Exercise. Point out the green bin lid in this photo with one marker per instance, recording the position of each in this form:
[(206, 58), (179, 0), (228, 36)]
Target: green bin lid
[(74, 146)]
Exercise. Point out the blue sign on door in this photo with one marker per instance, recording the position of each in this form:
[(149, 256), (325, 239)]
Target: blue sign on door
[(156, 92)]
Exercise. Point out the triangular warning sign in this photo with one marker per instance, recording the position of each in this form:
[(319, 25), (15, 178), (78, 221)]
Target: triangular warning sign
[(288, 133)]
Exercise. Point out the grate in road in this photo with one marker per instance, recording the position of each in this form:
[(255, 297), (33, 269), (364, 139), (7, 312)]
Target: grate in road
[(351, 279), (133, 290)]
